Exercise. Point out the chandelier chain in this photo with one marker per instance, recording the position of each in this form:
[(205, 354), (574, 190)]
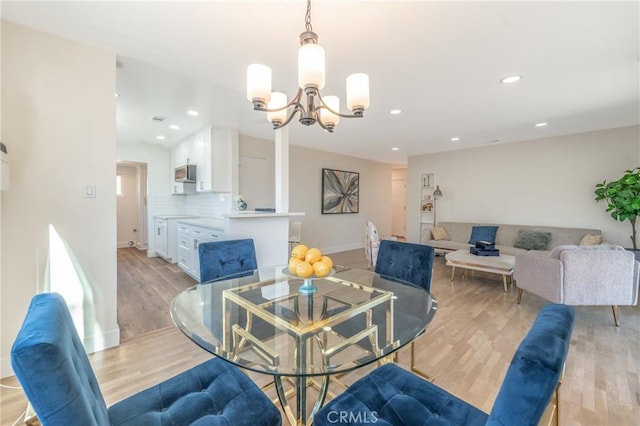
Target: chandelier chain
[(307, 17)]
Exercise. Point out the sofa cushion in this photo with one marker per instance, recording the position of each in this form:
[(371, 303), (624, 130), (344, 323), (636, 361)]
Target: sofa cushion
[(532, 240), (483, 233), (591, 240), (440, 233)]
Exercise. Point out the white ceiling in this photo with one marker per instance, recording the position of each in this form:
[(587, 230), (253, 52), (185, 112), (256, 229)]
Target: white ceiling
[(440, 62)]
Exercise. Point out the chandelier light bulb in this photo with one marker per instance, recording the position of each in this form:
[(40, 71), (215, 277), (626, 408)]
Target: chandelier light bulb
[(327, 117), (278, 101), (311, 66), (259, 83), (358, 92)]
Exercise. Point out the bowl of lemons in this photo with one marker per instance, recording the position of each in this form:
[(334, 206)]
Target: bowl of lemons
[(308, 264)]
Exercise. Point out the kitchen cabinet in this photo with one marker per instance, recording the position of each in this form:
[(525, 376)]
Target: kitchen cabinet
[(161, 242), (166, 236), (216, 153), (189, 238)]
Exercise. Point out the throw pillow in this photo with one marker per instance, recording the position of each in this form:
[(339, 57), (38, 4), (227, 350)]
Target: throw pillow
[(532, 240), (440, 234), (483, 233), (591, 240)]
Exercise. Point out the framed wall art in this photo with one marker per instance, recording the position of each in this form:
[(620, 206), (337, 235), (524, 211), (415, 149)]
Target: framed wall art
[(340, 191)]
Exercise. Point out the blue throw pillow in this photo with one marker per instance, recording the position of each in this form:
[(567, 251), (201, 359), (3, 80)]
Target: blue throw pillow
[(483, 233)]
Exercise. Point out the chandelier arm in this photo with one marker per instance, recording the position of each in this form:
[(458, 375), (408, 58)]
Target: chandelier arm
[(325, 106), (297, 109), (294, 102), (330, 130)]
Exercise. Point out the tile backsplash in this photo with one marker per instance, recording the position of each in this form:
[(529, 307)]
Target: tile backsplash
[(208, 204)]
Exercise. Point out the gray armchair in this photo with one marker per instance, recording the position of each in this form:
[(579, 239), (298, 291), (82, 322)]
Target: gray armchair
[(580, 276)]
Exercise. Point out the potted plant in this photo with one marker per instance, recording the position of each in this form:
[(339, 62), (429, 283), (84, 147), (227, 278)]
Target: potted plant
[(623, 199)]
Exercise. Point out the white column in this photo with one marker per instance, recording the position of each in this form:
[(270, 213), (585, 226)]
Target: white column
[(282, 170)]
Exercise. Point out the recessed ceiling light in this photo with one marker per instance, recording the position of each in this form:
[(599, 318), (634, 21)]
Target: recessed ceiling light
[(160, 137), (193, 112), (395, 111), (456, 139), (541, 124), (174, 127), (395, 148), (510, 79), (117, 95)]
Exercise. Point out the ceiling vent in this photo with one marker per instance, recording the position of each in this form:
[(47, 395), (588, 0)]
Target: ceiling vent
[(158, 118)]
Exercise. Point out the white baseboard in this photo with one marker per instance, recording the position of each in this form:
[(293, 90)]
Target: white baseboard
[(102, 341), (344, 247)]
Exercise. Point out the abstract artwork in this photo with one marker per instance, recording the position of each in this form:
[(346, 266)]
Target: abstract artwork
[(340, 191)]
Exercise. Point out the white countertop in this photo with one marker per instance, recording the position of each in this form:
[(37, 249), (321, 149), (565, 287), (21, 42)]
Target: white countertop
[(207, 222), (175, 216), (253, 214)]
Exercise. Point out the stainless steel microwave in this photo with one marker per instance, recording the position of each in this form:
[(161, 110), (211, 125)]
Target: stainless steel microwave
[(186, 173)]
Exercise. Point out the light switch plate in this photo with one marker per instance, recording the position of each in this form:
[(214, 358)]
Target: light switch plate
[(90, 191)]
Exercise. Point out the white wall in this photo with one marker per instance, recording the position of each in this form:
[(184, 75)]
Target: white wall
[(539, 182), (58, 115), (337, 232)]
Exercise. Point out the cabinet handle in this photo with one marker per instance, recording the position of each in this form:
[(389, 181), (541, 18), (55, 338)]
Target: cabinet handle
[(158, 230)]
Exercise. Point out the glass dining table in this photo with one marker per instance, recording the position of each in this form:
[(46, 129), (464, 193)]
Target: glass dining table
[(303, 331)]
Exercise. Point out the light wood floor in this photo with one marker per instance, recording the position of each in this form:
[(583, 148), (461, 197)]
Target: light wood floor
[(467, 349)]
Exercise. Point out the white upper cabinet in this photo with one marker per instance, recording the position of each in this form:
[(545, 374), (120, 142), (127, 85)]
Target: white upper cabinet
[(214, 152), (215, 159)]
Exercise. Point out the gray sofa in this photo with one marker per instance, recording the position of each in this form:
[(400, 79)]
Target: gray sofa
[(459, 233)]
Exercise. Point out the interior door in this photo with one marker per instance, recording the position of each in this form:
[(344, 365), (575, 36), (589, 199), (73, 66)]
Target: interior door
[(399, 212)]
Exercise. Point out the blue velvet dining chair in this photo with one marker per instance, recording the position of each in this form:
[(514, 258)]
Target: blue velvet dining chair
[(409, 263), (392, 396), (53, 369), (224, 258)]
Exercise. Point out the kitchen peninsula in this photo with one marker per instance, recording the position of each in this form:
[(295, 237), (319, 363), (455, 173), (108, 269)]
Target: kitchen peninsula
[(270, 233)]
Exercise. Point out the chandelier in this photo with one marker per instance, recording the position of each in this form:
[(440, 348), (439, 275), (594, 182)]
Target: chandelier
[(308, 102)]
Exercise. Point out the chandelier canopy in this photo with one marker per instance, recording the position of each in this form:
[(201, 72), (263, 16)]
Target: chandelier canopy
[(308, 102)]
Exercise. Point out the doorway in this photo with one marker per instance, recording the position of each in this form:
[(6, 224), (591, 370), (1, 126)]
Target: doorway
[(399, 202), (131, 195)]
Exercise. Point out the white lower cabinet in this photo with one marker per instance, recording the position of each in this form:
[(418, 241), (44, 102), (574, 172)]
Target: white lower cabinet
[(161, 237), (189, 238), (165, 234)]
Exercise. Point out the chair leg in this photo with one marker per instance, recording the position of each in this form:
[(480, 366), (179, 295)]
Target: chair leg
[(614, 308), (415, 369), (519, 295)]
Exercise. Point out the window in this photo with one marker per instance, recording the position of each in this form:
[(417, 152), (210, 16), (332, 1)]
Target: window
[(119, 185)]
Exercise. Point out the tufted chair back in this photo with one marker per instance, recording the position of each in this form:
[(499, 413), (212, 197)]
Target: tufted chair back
[(54, 371), (406, 261), (53, 368), (223, 258)]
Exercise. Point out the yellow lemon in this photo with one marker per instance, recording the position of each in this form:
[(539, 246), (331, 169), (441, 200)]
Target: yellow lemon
[(313, 255), (293, 263), (327, 260), (304, 269), (299, 251), (321, 269)]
